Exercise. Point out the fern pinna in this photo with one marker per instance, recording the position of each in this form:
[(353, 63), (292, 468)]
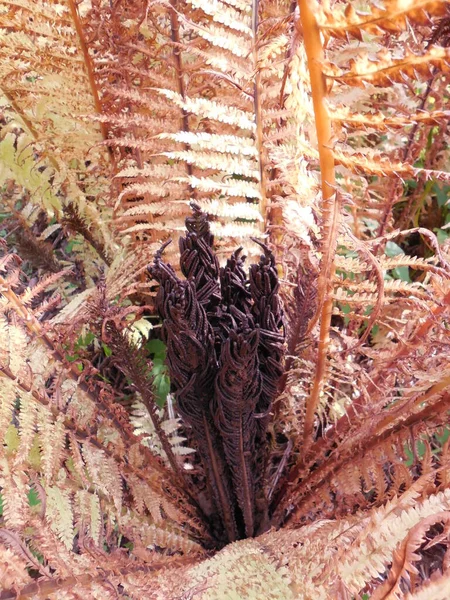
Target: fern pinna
[(151, 415)]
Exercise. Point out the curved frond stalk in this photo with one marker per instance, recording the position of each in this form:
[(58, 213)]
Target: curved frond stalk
[(87, 61), (330, 206)]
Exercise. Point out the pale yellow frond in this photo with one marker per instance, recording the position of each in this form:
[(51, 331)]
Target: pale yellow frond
[(27, 425), (212, 110), (235, 230), (14, 484), (222, 38), (231, 187), (88, 513), (13, 569), (225, 15), (153, 171), (217, 161), (238, 210), (52, 436), (59, 514), (140, 189), (13, 345), (104, 473), (231, 144)]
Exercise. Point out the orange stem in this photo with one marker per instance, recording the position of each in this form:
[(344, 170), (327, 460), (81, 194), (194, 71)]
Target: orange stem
[(330, 208), (87, 62)]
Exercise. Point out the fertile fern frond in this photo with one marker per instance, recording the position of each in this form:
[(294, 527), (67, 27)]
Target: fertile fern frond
[(225, 351)]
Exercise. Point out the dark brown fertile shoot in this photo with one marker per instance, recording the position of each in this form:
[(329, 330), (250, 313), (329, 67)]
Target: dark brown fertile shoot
[(225, 346)]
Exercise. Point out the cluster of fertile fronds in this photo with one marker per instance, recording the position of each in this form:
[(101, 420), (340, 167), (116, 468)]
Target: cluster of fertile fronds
[(225, 347)]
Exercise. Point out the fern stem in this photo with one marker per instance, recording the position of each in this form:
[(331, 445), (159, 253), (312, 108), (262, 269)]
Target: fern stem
[(44, 588), (330, 208), (175, 35), (224, 504), (88, 64), (247, 508), (258, 116)]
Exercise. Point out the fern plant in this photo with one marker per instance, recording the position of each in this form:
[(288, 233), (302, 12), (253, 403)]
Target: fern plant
[(303, 449)]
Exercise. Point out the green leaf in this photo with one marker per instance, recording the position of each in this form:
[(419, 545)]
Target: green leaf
[(401, 273), (442, 194), (33, 497), (83, 342), (444, 436), (106, 349), (393, 249), (156, 347), (162, 388), (442, 235), (409, 457), (158, 367)]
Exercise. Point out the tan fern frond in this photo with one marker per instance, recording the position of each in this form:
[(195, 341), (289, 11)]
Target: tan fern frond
[(387, 16), (387, 69)]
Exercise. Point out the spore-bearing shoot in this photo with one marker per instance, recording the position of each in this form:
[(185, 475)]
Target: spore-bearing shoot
[(225, 345)]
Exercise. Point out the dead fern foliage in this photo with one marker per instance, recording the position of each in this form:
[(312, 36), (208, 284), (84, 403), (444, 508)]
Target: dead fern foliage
[(317, 127)]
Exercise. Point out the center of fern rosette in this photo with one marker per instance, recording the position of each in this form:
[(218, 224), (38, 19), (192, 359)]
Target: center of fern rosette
[(225, 345)]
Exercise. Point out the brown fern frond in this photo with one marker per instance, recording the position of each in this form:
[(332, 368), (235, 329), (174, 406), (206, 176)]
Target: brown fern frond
[(75, 222), (317, 127), (388, 70), (386, 17)]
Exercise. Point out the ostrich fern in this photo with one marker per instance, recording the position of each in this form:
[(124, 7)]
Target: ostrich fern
[(296, 155)]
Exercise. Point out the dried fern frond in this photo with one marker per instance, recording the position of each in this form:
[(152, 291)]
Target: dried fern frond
[(73, 445), (319, 127)]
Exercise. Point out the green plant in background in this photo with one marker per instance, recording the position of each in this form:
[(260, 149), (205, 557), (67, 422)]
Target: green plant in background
[(161, 381)]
